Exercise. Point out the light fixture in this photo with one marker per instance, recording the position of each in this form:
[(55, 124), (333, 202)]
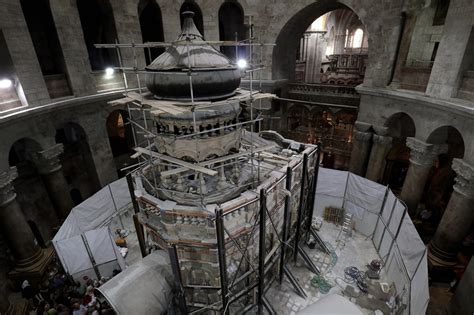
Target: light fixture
[(242, 63), (5, 83), (109, 71)]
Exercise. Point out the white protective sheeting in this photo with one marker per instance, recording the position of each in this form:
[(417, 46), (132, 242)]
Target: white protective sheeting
[(332, 304), (404, 257), (74, 256), (97, 210), (364, 199), (330, 190), (90, 219), (143, 288)]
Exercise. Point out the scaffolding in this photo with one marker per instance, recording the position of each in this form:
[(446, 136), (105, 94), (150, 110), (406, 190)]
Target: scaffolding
[(248, 262)]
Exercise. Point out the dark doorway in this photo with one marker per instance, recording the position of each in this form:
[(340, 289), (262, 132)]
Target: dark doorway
[(98, 26), (151, 25), (190, 5), (231, 28)]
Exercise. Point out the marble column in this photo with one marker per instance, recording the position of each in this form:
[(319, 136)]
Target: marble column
[(360, 148), (380, 147), (422, 157), (457, 218), (48, 165), (13, 225)]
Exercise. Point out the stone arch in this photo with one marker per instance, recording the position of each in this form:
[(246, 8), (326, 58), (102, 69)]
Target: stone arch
[(44, 36), (401, 125), (452, 137), (151, 25), (98, 26), (120, 133), (191, 5), (287, 41), (31, 192), (78, 165), (231, 24)]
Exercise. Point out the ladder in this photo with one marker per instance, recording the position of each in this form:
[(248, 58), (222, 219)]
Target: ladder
[(346, 230)]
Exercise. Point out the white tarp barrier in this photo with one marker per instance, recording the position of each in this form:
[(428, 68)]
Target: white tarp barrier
[(89, 220), (330, 190), (75, 258), (144, 288), (364, 199), (394, 235), (97, 210)]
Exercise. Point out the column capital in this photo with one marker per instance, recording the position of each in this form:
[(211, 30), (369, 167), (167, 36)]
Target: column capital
[(362, 126), (7, 191), (381, 130), (424, 154), (362, 136), (382, 140), (464, 178), (47, 161)]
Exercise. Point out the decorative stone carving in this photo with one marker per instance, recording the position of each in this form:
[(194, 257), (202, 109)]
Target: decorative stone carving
[(424, 154), (464, 178), (7, 191), (362, 136), (47, 161)]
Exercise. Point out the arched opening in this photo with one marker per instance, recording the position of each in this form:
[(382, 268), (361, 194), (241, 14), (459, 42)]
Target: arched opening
[(30, 190), (231, 28), (308, 31), (400, 126), (11, 91), (98, 26), (298, 123), (151, 25), (47, 47), (439, 185), (78, 165), (190, 5), (121, 139)]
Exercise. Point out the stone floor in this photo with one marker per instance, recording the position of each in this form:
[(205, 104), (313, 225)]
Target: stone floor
[(357, 251)]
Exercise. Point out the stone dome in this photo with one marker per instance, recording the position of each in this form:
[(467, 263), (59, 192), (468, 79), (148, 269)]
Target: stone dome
[(213, 75)]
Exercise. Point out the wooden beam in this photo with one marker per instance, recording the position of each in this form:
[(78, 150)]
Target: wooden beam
[(196, 167), (217, 160)]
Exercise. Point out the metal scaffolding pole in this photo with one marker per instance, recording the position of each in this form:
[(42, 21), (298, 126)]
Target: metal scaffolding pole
[(261, 252), (286, 221), (300, 206), (222, 259), (173, 253), (312, 196)]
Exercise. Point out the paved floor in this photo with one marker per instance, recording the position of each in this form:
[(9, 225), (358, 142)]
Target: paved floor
[(357, 251)]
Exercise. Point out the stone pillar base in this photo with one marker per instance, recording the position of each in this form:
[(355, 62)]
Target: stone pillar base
[(440, 258), (34, 271)]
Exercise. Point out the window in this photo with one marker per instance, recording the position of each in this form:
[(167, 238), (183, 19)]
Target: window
[(358, 37)]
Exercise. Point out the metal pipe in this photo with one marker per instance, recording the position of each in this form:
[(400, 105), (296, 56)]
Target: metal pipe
[(173, 253), (261, 252), (386, 226), (140, 235), (300, 206), (314, 185), (286, 221), (222, 258), (131, 189)]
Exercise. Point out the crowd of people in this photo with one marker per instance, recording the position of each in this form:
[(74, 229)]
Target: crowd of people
[(63, 296)]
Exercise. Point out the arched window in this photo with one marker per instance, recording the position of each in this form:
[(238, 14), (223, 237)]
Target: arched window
[(231, 27), (98, 26), (151, 25), (47, 47), (358, 37), (190, 5)]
